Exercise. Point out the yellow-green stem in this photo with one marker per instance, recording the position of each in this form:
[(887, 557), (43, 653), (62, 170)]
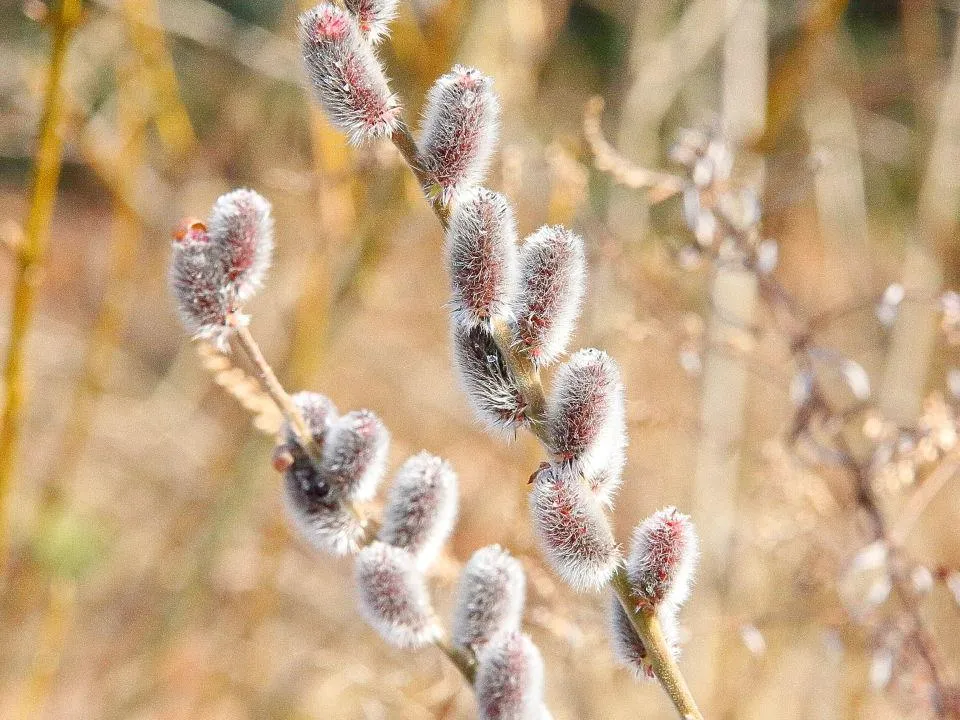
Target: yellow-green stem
[(462, 659), (30, 255), (659, 656)]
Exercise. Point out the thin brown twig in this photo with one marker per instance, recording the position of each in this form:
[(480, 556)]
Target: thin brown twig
[(30, 255)]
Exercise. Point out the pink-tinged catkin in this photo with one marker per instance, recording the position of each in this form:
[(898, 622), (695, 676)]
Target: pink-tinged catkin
[(319, 518), (241, 230), (318, 411), (493, 394), (627, 646), (552, 280), (509, 684), (306, 488), (460, 125), (198, 284), (662, 560), (346, 74), (572, 529), (421, 508), (393, 596), (586, 422), (489, 597), (482, 258), (373, 17), (355, 455)]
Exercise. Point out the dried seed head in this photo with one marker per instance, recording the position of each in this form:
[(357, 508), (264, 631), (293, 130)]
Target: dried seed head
[(494, 396), (489, 597), (373, 17), (355, 455), (482, 257), (393, 596), (585, 420), (320, 518), (421, 507), (663, 556), (347, 77), (628, 648), (460, 126), (572, 529), (509, 683), (241, 230), (198, 284), (552, 278)]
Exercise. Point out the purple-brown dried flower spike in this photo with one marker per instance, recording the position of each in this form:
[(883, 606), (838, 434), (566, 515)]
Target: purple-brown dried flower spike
[(198, 283), (494, 396), (347, 77), (393, 596), (572, 529), (489, 597), (663, 556), (509, 683), (355, 455), (628, 648), (460, 126), (553, 275), (421, 507), (585, 420), (482, 258), (373, 17), (241, 230)]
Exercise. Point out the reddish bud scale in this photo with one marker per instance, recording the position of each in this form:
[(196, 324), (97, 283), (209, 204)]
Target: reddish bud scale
[(421, 508), (393, 596), (482, 258), (627, 646), (494, 396), (663, 556), (347, 77), (489, 597), (373, 17), (572, 529), (241, 229), (585, 420), (355, 455), (552, 278), (509, 684), (460, 125), (198, 284)]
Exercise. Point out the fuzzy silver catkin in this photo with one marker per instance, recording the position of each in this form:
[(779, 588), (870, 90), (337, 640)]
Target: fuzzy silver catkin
[(586, 420), (627, 646), (241, 230), (373, 17), (490, 389), (421, 507), (552, 281), (460, 125), (346, 75), (489, 598), (572, 529), (318, 411), (482, 258), (509, 684), (393, 596), (355, 455), (662, 559), (198, 284), (318, 517)]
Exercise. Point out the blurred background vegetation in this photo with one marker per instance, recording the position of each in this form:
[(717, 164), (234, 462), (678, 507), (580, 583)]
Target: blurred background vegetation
[(150, 572)]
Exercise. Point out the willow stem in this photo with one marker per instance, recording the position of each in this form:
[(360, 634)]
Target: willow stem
[(650, 632), (462, 659), (30, 255)]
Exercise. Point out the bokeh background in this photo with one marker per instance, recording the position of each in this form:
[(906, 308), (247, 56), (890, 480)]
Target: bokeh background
[(151, 573)]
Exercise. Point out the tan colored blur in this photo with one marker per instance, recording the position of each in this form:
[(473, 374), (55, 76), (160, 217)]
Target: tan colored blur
[(151, 572)]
